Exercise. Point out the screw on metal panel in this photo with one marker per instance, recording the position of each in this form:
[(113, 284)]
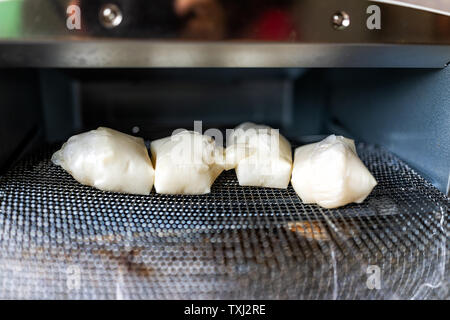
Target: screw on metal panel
[(135, 129), (110, 16), (340, 20)]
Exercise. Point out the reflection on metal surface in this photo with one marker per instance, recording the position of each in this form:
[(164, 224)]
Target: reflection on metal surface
[(436, 6), (207, 20), (211, 20), (139, 34), (93, 54)]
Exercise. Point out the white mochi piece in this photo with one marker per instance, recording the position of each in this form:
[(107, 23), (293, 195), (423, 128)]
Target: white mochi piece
[(330, 173), (261, 156), (108, 160), (186, 163)]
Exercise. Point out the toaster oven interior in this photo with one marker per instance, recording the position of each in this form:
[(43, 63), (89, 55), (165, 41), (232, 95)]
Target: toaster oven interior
[(403, 110), (62, 239)]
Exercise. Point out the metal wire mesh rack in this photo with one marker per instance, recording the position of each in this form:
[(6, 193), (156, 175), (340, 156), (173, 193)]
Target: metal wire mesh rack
[(60, 239)]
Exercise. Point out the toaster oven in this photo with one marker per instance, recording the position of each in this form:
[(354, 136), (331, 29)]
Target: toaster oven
[(373, 71)]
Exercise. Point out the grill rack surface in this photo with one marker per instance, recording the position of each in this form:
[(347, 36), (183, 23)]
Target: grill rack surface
[(60, 239)]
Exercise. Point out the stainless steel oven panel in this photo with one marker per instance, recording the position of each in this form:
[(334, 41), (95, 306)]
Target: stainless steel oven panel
[(264, 33)]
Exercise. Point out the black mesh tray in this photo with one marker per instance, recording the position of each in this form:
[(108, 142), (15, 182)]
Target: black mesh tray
[(60, 239)]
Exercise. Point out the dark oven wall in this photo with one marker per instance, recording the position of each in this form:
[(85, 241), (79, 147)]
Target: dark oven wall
[(405, 110), (21, 126), (152, 102)]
